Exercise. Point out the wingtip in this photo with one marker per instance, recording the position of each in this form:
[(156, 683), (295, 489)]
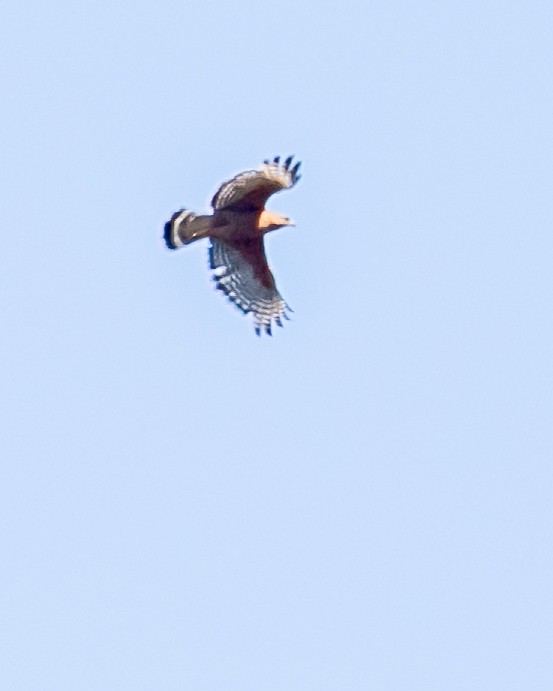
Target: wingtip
[(263, 329), (286, 164)]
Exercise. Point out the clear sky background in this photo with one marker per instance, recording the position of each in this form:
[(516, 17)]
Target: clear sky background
[(362, 502)]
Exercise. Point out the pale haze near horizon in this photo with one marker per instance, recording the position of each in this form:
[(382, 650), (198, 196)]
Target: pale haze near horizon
[(362, 501)]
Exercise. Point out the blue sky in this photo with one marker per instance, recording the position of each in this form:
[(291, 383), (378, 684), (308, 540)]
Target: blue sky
[(362, 501)]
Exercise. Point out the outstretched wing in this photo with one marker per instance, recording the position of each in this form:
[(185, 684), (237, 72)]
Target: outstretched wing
[(250, 190), (241, 271)]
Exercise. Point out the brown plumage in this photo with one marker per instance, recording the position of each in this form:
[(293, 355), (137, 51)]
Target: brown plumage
[(236, 229)]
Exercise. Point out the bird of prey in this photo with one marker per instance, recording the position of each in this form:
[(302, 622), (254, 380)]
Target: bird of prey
[(235, 230)]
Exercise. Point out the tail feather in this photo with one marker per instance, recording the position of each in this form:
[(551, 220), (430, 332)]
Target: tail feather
[(185, 227)]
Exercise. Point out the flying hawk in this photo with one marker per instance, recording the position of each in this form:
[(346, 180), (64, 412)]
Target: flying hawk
[(235, 230)]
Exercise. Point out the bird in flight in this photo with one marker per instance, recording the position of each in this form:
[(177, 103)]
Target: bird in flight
[(235, 231)]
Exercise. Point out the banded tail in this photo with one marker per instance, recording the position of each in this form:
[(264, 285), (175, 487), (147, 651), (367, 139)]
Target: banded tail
[(185, 227)]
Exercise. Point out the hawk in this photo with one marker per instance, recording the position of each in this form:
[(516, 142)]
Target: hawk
[(236, 230)]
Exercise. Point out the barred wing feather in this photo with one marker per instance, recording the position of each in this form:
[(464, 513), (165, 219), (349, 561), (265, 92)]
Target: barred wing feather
[(241, 271), (250, 190)]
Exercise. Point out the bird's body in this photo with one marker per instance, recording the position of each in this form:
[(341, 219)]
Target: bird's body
[(236, 230)]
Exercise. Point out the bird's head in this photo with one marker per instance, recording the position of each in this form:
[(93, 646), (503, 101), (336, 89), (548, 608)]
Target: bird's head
[(270, 220)]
